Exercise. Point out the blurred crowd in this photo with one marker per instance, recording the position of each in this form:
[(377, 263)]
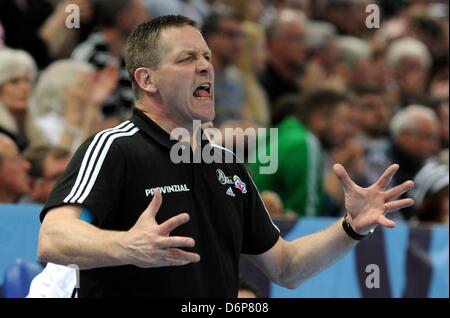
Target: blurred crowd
[(339, 88)]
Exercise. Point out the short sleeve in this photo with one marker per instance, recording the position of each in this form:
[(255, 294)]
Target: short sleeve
[(93, 179), (259, 232)]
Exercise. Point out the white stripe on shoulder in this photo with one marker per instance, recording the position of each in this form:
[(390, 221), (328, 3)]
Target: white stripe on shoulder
[(87, 155), (102, 158)]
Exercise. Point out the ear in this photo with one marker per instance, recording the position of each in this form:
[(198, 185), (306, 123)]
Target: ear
[(144, 78)]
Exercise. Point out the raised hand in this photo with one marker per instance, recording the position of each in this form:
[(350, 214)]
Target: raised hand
[(149, 244), (75, 98), (106, 81), (367, 207)]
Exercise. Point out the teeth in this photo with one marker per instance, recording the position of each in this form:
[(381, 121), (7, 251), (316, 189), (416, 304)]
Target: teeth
[(205, 86)]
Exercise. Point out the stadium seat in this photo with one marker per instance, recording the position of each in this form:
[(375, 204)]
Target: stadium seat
[(18, 277)]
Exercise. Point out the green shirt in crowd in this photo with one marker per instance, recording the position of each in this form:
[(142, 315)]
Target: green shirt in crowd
[(299, 178)]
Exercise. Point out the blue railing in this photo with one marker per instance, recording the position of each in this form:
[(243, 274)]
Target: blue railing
[(403, 262)]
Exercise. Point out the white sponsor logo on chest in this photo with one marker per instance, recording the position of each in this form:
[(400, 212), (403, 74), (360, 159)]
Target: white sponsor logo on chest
[(168, 189)]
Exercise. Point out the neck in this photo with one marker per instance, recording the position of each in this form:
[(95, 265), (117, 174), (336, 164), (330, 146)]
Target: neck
[(19, 116), (169, 121)]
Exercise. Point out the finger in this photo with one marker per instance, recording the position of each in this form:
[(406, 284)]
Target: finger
[(175, 262), (398, 204), (177, 241), (398, 190), (174, 222), (387, 175), (156, 202), (343, 177), (175, 253), (384, 221)]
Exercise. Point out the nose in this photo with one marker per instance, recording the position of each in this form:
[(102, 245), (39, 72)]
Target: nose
[(26, 165), (25, 85), (204, 67)]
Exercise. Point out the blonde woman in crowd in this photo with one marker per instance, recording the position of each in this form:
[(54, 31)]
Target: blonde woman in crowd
[(252, 60), (17, 73), (251, 10), (66, 105)]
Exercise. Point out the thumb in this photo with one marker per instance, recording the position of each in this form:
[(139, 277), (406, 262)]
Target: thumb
[(343, 177), (155, 204)]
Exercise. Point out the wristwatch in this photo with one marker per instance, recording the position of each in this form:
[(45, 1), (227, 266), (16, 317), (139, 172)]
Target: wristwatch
[(351, 232)]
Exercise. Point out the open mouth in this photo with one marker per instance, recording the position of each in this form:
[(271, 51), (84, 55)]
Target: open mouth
[(203, 91)]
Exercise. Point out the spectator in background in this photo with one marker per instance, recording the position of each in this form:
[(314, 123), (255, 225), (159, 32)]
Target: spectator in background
[(431, 195), (275, 206), (430, 30), (251, 10), (251, 62), (411, 62), (287, 53), (14, 179), (337, 128), (375, 114), (347, 15), (316, 121), (39, 27), (439, 91), (47, 165), (322, 67), (355, 58), (223, 34), (115, 19), (17, 73), (67, 101), (415, 139)]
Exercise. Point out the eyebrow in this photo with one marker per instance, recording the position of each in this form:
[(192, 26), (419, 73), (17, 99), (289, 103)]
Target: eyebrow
[(193, 52)]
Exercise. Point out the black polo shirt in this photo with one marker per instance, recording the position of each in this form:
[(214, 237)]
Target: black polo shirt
[(113, 173)]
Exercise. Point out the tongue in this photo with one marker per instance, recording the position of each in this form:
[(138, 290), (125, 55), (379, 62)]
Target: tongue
[(201, 93)]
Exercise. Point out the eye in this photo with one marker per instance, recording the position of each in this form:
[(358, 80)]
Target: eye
[(185, 59), (208, 57)]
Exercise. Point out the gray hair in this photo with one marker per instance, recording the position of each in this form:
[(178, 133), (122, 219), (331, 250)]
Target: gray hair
[(319, 33), (48, 94), (14, 64), (408, 47), (352, 49), (407, 118), (282, 17)]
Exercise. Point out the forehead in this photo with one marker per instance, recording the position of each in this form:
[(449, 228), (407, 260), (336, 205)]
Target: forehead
[(291, 27), (175, 40), (426, 123), (8, 147), (229, 23)]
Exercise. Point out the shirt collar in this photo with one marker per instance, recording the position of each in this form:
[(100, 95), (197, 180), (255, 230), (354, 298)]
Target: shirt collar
[(152, 129)]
